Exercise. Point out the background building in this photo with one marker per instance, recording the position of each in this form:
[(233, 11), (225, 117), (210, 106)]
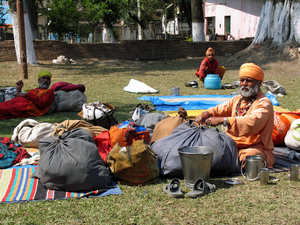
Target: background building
[(239, 18)]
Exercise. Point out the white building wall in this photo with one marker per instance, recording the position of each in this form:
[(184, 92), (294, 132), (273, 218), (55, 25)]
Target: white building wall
[(244, 16)]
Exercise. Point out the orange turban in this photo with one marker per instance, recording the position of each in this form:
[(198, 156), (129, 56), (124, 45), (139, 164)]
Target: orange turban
[(210, 50), (251, 70)]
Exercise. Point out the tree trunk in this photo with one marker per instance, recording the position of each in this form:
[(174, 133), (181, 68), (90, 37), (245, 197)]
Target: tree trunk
[(197, 21), (279, 22), (139, 22), (31, 59), (32, 19), (110, 36), (278, 31)]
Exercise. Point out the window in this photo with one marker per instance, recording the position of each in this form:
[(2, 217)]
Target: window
[(210, 25)]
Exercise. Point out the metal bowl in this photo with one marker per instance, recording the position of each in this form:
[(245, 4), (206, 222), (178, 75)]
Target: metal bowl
[(236, 84), (227, 86), (233, 181)]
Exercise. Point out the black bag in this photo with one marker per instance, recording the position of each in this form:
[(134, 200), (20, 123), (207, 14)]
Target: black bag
[(107, 120), (225, 158), (71, 162)]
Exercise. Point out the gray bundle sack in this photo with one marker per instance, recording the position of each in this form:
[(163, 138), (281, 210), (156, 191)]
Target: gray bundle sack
[(149, 120), (71, 162), (225, 158)]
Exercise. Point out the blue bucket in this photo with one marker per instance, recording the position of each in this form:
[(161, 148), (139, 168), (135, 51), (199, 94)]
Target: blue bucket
[(212, 81)]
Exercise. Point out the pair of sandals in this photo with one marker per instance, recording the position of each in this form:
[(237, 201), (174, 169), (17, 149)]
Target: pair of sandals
[(200, 188)]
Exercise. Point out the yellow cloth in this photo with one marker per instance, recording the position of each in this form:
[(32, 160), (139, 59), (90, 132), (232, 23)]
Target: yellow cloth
[(251, 70), (280, 109), (222, 71), (210, 50), (44, 73), (252, 131), (191, 113)]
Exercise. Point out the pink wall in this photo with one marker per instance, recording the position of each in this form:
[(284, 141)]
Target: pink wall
[(244, 15)]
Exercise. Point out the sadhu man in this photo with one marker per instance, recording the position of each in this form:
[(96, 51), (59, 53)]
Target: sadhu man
[(249, 117), (36, 102)]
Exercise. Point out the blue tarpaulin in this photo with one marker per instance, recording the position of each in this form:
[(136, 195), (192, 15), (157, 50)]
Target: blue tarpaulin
[(191, 102)]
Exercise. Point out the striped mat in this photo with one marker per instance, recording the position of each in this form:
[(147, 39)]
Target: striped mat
[(16, 185)]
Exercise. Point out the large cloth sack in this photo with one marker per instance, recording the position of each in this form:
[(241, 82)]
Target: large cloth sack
[(103, 144), (71, 162), (134, 165), (69, 101), (225, 158), (149, 121), (127, 133), (29, 132), (72, 124), (166, 127), (281, 127), (292, 138), (282, 123)]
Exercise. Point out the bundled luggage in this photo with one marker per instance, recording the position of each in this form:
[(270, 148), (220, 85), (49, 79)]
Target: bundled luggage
[(71, 162), (127, 133), (99, 114), (29, 132), (135, 164), (225, 158)]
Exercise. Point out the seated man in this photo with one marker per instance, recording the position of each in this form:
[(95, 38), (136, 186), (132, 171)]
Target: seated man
[(210, 65), (34, 103), (249, 117)]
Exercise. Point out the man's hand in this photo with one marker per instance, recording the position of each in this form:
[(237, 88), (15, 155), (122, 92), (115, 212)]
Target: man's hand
[(19, 86), (214, 121), (202, 118)]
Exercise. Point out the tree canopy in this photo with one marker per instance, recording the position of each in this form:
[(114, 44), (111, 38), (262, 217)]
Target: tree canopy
[(2, 14), (78, 16), (83, 16)]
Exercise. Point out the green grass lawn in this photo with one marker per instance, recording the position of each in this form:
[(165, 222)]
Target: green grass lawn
[(250, 203)]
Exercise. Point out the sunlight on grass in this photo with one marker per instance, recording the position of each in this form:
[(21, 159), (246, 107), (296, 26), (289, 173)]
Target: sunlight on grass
[(249, 203)]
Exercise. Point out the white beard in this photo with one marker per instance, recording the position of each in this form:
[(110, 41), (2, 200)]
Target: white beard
[(251, 92), (44, 85)]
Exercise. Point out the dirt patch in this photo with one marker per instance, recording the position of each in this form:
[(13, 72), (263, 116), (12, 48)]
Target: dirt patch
[(266, 52)]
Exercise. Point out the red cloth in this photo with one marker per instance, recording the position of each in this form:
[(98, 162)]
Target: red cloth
[(205, 64), (18, 106), (103, 144), (64, 86)]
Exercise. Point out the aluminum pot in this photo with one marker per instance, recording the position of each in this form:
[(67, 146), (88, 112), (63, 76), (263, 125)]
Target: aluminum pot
[(196, 163)]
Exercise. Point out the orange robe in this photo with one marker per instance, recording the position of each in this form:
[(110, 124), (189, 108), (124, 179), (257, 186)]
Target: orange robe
[(35, 103), (252, 132)]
